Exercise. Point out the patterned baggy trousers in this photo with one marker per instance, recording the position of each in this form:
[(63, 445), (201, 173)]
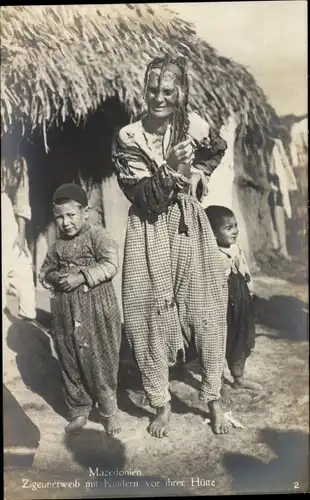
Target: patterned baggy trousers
[(174, 291)]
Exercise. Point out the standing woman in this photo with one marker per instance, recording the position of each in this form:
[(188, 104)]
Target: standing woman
[(174, 286)]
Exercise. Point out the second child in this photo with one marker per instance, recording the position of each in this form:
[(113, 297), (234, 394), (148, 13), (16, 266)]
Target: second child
[(240, 312)]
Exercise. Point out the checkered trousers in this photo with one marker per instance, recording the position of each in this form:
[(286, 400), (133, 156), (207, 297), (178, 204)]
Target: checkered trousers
[(174, 290)]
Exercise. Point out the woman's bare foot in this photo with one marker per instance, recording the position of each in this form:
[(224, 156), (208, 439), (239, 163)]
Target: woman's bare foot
[(111, 425), (219, 423), (76, 425), (158, 428), (241, 383)]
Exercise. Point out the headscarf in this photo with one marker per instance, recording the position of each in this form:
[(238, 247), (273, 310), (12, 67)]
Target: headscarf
[(180, 121)]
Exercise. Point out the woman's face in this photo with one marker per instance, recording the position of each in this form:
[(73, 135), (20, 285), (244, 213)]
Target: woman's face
[(161, 96)]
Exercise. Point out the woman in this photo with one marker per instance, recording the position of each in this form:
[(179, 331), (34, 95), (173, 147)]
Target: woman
[(174, 286)]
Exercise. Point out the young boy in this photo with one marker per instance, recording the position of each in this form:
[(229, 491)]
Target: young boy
[(240, 313), (85, 314)]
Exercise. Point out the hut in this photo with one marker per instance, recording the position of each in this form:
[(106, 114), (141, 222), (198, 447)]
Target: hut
[(73, 75)]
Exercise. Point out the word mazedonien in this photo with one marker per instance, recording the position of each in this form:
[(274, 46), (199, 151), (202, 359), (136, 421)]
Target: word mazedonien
[(113, 472), (36, 485)]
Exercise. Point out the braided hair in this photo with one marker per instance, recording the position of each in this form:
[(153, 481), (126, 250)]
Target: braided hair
[(180, 119)]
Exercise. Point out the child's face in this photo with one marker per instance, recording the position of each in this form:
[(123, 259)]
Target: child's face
[(70, 217), (227, 233)]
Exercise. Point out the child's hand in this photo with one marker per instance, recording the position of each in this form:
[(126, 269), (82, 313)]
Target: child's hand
[(68, 282)]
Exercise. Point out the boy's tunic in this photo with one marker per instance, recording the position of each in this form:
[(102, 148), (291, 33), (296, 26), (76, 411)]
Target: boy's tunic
[(240, 312)]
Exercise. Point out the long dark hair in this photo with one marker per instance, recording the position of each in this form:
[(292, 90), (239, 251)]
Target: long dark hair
[(180, 120)]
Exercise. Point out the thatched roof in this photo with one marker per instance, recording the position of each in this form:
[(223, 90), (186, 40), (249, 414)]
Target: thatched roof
[(60, 61)]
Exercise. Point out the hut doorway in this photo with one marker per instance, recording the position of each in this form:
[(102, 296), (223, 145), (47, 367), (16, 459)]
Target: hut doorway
[(80, 154)]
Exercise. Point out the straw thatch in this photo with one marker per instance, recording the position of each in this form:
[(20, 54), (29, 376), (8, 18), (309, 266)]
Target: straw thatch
[(66, 60), (60, 61)]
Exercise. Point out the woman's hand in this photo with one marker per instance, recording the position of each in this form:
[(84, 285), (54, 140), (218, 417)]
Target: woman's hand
[(68, 282), (181, 153), (205, 182), (197, 176)]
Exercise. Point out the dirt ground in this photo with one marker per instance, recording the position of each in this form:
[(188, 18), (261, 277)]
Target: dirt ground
[(269, 455)]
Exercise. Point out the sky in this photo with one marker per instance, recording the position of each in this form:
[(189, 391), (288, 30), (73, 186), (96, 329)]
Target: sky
[(268, 37)]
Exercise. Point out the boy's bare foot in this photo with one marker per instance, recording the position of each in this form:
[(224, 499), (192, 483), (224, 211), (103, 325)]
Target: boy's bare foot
[(76, 425), (225, 394), (158, 428), (241, 383), (219, 423), (111, 425)]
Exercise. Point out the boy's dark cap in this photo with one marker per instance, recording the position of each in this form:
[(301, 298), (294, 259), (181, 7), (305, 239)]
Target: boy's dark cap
[(71, 192)]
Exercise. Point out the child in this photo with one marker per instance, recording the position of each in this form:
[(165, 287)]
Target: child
[(85, 314), (240, 313)]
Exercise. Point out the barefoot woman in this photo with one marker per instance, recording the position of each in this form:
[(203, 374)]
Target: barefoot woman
[(174, 287)]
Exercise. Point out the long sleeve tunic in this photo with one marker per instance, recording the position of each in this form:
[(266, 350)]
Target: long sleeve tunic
[(86, 321)]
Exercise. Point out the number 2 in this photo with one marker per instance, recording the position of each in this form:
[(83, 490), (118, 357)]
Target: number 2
[(296, 485)]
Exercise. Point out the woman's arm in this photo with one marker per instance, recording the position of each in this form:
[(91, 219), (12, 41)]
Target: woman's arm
[(106, 255), (210, 146), (209, 153), (152, 193)]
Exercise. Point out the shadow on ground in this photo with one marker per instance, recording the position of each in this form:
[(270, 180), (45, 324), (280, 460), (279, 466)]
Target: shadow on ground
[(96, 449), (286, 473), (40, 370), (103, 459), (37, 366), (288, 315), (21, 437)]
